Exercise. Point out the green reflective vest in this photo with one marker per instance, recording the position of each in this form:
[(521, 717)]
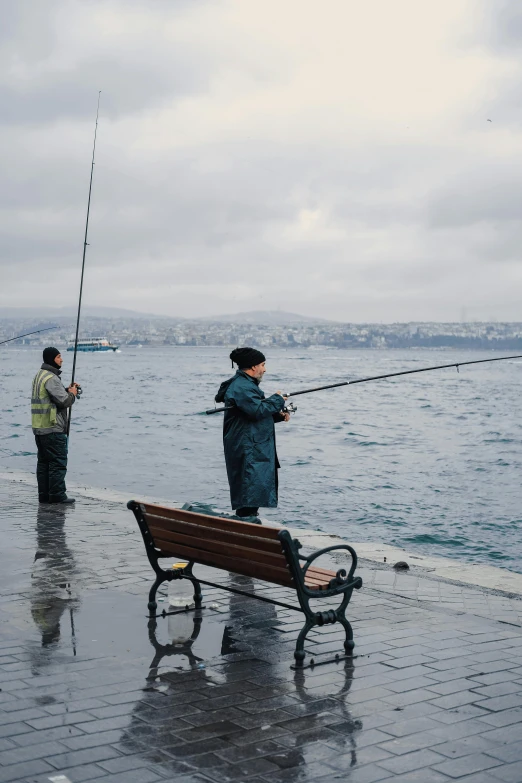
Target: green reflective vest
[(43, 410)]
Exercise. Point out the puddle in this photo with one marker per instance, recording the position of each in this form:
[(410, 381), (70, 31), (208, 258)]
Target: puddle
[(113, 624)]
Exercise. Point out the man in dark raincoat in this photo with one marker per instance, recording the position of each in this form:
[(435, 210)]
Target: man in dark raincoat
[(249, 436)]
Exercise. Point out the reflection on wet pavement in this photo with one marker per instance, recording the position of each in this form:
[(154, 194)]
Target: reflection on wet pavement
[(53, 583), (94, 690)]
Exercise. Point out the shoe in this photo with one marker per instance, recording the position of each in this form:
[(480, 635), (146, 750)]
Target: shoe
[(43, 500), (66, 501)]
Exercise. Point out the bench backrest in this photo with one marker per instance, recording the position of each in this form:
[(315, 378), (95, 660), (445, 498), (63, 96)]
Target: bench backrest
[(241, 547)]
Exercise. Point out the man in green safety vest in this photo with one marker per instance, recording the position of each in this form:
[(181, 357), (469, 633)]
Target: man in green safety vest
[(49, 403)]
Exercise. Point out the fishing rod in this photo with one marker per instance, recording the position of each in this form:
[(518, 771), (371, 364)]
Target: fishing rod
[(85, 243), (377, 378), (48, 328)]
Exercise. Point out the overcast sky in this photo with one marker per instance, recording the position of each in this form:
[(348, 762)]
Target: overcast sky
[(330, 158)]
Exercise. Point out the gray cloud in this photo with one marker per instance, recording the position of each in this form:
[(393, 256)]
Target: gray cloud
[(244, 160), (503, 24)]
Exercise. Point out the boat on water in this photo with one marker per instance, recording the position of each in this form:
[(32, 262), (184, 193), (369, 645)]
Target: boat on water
[(97, 344)]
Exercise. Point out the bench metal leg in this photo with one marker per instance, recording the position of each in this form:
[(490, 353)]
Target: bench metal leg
[(299, 653), (348, 631), (349, 644), (318, 619), (152, 605)]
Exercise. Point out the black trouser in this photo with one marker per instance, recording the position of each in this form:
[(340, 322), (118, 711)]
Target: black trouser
[(247, 511), (52, 466)]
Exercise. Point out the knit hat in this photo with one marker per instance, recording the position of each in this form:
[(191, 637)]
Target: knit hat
[(246, 357), (49, 355)]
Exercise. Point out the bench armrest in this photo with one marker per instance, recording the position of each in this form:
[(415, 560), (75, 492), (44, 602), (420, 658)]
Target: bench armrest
[(341, 578), (342, 582)]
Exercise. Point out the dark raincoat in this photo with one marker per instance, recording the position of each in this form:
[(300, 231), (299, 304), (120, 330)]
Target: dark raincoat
[(249, 441)]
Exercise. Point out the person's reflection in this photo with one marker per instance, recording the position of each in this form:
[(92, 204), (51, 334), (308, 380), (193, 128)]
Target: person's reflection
[(258, 632), (53, 576)]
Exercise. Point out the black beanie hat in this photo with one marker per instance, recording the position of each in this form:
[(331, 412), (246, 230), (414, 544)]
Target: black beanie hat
[(246, 357), (49, 355)]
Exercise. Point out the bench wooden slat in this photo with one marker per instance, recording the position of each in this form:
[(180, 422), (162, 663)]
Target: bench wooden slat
[(204, 550), (280, 576), (210, 545), (317, 580), (315, 586), (257, 531), (195, 530), (313, 581), (321, 572)]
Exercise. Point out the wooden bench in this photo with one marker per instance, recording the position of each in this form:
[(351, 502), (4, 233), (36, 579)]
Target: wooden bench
[(258, 551)]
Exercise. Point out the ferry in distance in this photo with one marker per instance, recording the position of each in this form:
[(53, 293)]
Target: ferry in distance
[(98, 344)]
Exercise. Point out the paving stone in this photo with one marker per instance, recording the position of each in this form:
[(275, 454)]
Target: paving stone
[(411, 742), (21, 771), (40, 750), (108, 724), (458, 699), (411, 660), (465, 746), (478, 777), (370, 773), (455, 686), (135, 776), (466, 765), (512, 773), (81, 741), (410, 726), (423, 776), (86, 756), (459, 714), (506, 734), (504, 718), (15, 729), (501, 703), (76, 774), (257, 735), (315, 771), (411, 684), (507, 753), (52, 721), (498, 689), (411, 761)]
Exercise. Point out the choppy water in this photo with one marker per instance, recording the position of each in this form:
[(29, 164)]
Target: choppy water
[(431, 462)]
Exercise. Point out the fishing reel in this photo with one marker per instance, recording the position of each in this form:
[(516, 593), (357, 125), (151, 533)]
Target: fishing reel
[(290, 408), (79, 390)]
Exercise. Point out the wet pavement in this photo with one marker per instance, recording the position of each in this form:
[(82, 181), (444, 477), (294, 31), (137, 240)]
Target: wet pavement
[(93, 691)]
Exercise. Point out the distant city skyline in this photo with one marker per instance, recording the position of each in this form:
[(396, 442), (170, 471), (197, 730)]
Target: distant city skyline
[(304, 333)]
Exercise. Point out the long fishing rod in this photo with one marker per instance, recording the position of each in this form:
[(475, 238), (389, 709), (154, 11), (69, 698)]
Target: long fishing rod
[(85, 243), (378, 378), (47, 329)]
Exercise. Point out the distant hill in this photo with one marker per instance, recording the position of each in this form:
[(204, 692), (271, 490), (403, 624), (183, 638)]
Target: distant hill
[(264, 317), (260, 317), (70, 312)]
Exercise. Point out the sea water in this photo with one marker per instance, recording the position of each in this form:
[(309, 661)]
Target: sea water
[(430, 462)]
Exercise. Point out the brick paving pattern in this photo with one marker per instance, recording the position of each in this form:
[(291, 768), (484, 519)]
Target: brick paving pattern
[(93, 691)]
